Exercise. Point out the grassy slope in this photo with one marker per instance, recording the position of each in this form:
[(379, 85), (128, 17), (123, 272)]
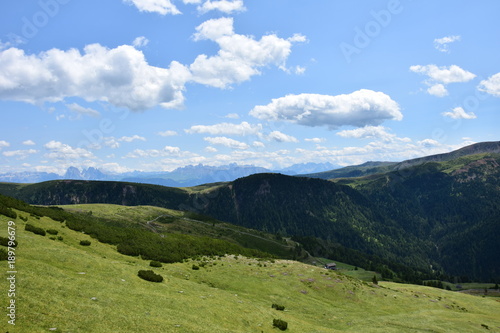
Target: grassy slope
[(174, 221), (227, 295)]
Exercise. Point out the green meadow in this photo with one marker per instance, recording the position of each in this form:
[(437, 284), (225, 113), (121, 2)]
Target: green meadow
[(62, 286)]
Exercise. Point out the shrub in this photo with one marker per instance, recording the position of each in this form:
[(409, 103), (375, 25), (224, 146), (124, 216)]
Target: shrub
[(3, 255), (8, 212), (281, 324), (155, 263), (85, 243), (60, 238), (150, 276), (195, 268), (278, 307), (5, 242), (52, 231), (35, 230)]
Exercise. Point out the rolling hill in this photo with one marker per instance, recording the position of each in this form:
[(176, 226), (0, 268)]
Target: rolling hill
[(62, 286), (370, 168), (435, 218)]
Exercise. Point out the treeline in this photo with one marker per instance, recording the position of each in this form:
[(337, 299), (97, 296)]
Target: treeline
[(166, 248)]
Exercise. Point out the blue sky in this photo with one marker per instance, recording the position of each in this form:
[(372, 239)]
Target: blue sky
[(153, 85)]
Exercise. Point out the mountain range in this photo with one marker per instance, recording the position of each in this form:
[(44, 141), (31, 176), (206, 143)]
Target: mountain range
[(438, 215), (190, 175)]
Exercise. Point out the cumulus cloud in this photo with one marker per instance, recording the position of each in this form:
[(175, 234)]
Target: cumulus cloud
[(131, 138), (226, 129), (240, 57), (444, 74), (371, 132), (20, 154), (162, 7), (225, 6), (63, 152), (4, 144), (232, 116), (459, 113), (227, 142), (491, 85), (439, 77), (166, 151), (360, 108), (29, 143), (442, 44), (80, 110), (281, 137), (140, 42), (315, 140), (120, 76), (438, 90), (167, 133)]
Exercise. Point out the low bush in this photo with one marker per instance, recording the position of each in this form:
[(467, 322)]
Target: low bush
[(3, 254), (35, 230), (281, 324), (8, 212), (52, 231), (6, 242), (195, 267), (150, 276), (155, 263), (85, 243), (278, 307)]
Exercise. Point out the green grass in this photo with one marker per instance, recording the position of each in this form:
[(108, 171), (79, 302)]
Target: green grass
[(173, 221), (62, 285)]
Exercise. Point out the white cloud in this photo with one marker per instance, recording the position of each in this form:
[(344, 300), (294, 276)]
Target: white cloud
[(225, 6), (232, 116), (20, 154), (167, 133), (4, 144), (444, 74), (62, 152), (162, 7), (297, 38), (258, 144), (439, 77), (315, 140), (360, 108), (227, 142), (120, 76), (438, 90), (114, 168), (281, 137), (29, 143), (300, 70), (491, 85), (442, 44), (227, 129), (239, 58), (459, 113), (80, 110), (211, 149), (131, 138), (428, 143), (110, 142), (372, 132), (140, 42), (148, 153)]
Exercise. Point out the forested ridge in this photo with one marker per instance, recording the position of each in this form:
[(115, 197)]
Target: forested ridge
[(435, 218)]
